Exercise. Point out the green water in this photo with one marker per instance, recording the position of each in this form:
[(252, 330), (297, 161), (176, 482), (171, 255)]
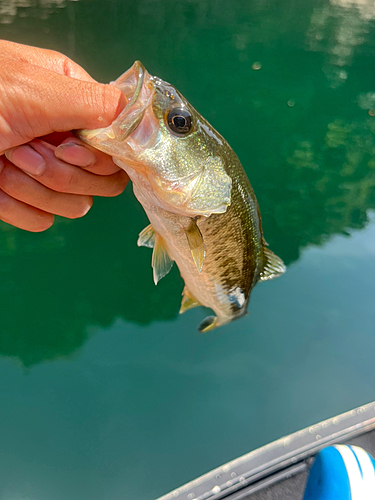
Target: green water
[(105, 392)]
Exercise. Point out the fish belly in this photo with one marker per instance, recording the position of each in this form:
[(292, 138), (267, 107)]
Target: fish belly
[(221, 285)]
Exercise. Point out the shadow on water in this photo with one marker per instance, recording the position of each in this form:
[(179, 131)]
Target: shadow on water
[(303, 125)]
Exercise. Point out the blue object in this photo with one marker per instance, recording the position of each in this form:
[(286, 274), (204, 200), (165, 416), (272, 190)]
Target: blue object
[(341, 472)]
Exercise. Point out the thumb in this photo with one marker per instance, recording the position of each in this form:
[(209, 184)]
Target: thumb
[(84, 104), (36, 101)]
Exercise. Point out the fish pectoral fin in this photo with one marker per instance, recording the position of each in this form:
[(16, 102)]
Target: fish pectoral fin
[(196, 244), (188, 301), (208, 324), (161, 262), (273, 266), (147, 237)]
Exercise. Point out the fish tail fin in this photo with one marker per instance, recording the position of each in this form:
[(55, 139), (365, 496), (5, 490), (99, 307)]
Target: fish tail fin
[(209, 324), (212, 322)]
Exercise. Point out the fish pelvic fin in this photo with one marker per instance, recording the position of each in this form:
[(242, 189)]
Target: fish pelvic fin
[(209, 324), (161, 262), (147, 237), (196, 244), (273, 266), (188, 301)]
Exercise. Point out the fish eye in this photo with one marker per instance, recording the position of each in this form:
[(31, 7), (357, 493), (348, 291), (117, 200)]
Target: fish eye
[(179, 121)]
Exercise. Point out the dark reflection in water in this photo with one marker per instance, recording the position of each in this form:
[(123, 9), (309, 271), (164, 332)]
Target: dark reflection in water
[(303, 126), (79, 273)]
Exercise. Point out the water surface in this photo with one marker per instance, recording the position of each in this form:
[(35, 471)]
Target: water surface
[(106, 392)]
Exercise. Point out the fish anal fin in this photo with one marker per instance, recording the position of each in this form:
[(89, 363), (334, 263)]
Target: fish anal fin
[(161, 262), (196, 244), (147, 237), (273, 266), (209, 324), (188, 301)]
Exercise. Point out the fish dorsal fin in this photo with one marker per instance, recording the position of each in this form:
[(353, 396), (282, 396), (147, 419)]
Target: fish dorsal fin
[(273, 266), (188, 301), (147, 237), (161, 262), (195, 240)]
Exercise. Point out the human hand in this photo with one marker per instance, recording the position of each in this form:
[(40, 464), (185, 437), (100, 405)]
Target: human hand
[(43, 92), (36, 184)]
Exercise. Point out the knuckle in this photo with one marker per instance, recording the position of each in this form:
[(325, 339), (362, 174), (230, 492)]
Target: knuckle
[(68, 181), (66, 65), (8, 179), (7, 205), (65, 182)]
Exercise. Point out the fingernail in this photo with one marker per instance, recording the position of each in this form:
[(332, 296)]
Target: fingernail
[(27, 159), (86, 209), (75, 154)]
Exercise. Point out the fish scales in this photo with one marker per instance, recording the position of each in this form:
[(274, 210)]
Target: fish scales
[(203, 211), (235, 257)]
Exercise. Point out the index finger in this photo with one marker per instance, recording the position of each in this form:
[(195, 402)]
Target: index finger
[(72, 150)]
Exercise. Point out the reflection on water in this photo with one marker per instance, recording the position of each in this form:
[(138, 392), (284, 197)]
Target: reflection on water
[(339, 28), (306, 139), (331, 185), (9, 9), (80, 279), (365, 8)]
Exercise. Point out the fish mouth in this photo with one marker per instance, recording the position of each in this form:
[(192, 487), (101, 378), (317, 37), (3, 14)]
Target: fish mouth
[(130, 83), (135, 84), (137, 87)]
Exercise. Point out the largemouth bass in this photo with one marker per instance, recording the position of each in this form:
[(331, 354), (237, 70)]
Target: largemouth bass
[(203, 211)]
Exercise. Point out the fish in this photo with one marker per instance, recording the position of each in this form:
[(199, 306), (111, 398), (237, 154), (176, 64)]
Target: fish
[(202, 209)]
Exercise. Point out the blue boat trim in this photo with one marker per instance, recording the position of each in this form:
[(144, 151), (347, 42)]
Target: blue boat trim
[(358, 462), (341, 472)]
